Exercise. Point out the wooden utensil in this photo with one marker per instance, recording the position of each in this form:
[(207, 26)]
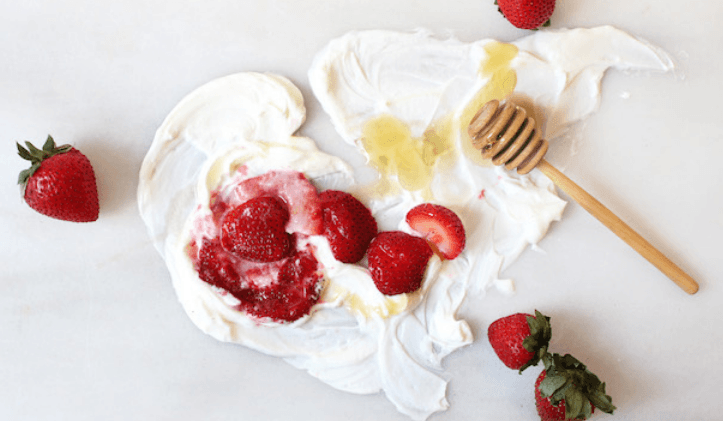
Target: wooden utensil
[(506, 135)]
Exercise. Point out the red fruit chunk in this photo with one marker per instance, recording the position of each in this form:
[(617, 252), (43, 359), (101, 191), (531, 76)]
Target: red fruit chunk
[(520, 340), (300, 196), (296, 290), (348, 225), (256, 230), (397, 262), (527, 14), (440, 226), (283, 291), (60, 182), (216, 267)]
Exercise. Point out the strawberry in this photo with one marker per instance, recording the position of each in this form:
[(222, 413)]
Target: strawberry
[(60, 183), (216, 267), (296, 290), (397, 262), (348, 225), (567, 390), (440, 226), (520, 340), (296, 191), (283, 291), (527, 14), (256, 230)]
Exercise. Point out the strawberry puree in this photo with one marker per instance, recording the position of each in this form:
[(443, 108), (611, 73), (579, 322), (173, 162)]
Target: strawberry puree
[(283, 290)]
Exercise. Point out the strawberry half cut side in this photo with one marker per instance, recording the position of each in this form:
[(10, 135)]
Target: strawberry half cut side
[(440, 226)]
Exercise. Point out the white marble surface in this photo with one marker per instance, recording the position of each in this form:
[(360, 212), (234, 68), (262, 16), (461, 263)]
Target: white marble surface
[(90, 327)]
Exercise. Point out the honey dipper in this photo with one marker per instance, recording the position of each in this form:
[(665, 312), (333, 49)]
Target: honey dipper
[(506, 135)]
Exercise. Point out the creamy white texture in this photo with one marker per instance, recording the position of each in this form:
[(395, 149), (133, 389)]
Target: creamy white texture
[(250, 119), (350, 350)]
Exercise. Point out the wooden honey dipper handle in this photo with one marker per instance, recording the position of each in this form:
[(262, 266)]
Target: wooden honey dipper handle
[(508, 136)]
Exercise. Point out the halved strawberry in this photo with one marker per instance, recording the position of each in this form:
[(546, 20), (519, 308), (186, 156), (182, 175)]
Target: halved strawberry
[(440, 226), (300, 196), (256, 230), (397, 262), (348, 225)]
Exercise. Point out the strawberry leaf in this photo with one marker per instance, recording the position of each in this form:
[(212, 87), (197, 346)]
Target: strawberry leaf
[(601, 400), (551, 384), (33, 150), (569, 379), (538, 340), (36, 156), (573, 403), (49, 144), (24, 153)]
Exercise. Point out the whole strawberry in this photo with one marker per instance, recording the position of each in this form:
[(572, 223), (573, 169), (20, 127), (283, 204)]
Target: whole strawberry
[(520, 340), (567, 390), (60, 182), (527, 14)]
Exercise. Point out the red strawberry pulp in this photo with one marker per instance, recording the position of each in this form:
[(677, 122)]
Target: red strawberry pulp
[(283, 288)]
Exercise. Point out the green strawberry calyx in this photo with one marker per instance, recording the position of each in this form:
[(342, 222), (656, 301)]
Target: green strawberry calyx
[(538, 340), (37, 156), (569, 379)]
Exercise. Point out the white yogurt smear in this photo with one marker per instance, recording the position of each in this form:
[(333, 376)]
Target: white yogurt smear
[(356, 339)]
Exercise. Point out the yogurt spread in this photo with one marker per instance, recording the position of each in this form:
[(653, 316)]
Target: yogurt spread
[(404, 99)]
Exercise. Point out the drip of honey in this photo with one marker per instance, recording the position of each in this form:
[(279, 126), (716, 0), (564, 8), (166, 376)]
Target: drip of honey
[(501, 81), (413, 161)]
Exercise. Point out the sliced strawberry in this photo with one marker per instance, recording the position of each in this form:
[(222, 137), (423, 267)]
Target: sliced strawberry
[(300, 196), (348, 225), (397, 262), (256, 230), (440, 226)]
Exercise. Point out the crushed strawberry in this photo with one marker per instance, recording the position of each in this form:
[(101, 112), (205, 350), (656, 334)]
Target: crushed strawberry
[(260, 255)]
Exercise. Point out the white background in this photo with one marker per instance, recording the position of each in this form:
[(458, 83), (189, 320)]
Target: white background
[(90, 327)]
